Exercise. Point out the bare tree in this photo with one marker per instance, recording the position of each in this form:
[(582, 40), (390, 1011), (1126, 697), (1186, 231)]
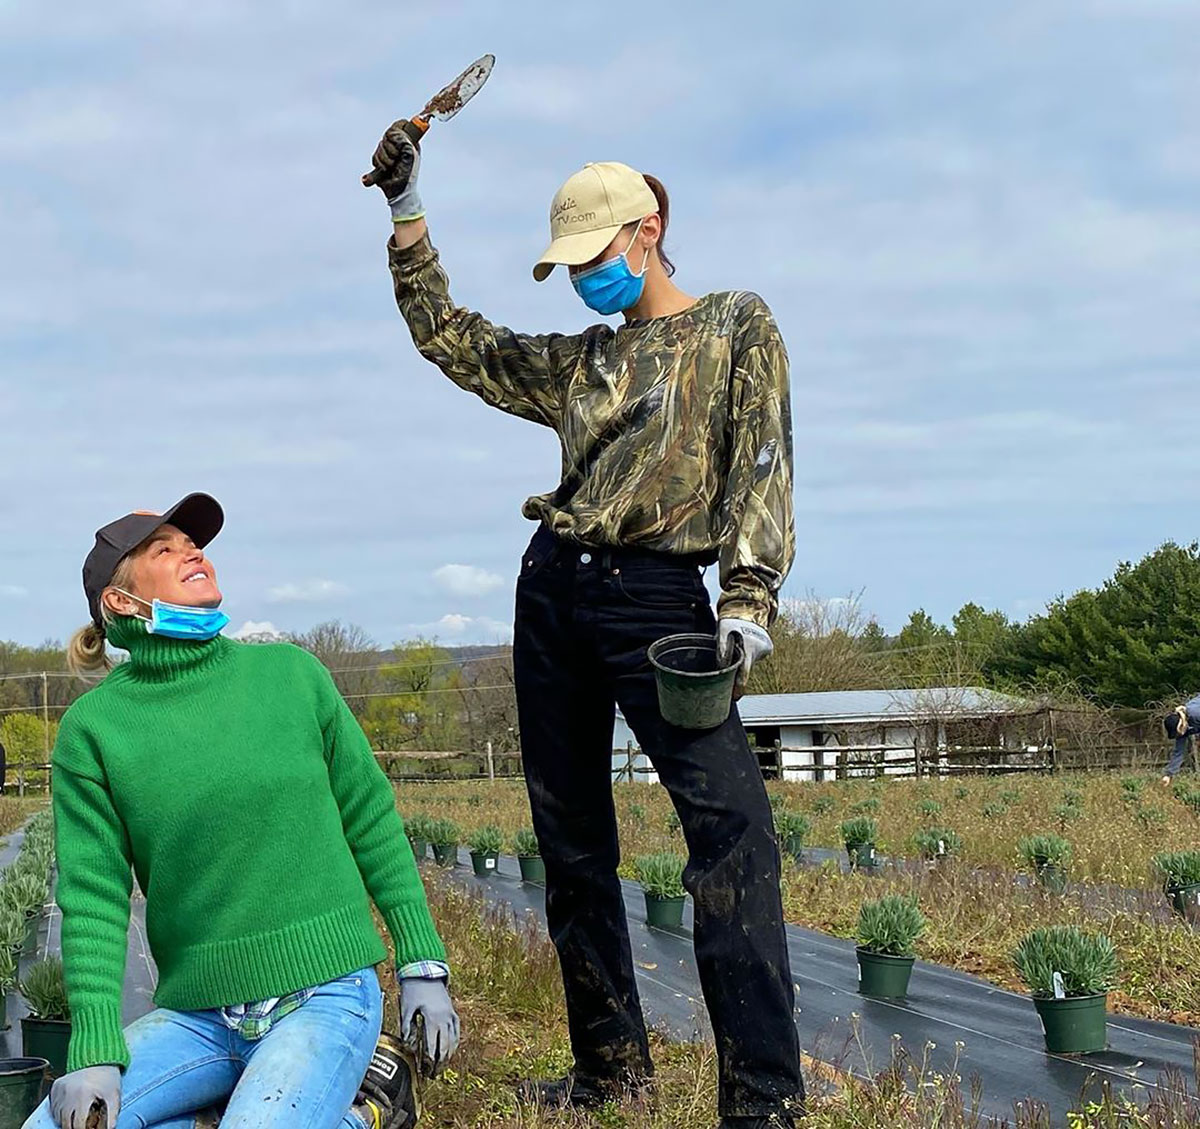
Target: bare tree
[(351, 655), (820, 645)]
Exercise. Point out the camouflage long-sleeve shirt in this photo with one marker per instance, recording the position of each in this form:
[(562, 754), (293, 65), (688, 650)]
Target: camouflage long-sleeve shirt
[(676, 431)]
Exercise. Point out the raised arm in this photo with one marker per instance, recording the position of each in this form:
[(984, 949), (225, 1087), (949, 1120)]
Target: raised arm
[(519, 373)]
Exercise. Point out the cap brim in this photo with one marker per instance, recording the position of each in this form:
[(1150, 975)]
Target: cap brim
[(198, 515), (573, 250)]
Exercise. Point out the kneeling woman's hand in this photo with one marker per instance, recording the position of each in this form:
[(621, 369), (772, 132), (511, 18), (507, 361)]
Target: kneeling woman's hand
[(435, 1038), (72, 1096)]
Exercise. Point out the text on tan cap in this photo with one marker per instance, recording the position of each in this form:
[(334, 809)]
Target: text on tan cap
[(588, 211)]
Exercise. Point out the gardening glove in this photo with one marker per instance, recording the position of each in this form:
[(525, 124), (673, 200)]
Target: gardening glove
[(396, 165), (756, 644), (72, 1095), (435, 1038)]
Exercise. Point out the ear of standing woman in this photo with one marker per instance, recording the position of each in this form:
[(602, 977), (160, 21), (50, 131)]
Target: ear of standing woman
[(676, 443), (234, 782)]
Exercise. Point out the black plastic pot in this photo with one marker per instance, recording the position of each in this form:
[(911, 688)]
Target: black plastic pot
[(446, 854), (1074, 1025), (22, 1081), (484, 863), (533, 869), (48, 1039), (861, 855), (882, 975), (664, 913)]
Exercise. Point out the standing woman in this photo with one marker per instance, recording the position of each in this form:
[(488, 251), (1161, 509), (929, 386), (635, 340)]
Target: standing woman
[(676, 453), (233, 780)]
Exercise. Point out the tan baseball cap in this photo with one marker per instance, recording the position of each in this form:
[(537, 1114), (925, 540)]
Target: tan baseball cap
[(589, 210)]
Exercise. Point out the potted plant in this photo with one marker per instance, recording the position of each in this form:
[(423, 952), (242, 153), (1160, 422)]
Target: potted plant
[(529, 857), (13, 932), (8, 984), (887, 928), (1180, 873), (791, 828), (443, 837), (1048, 856), (486, 843), (661, 876), (937, 843), (859, 835), (1069, 973), (46, 1030), (25, 893), (416, 828)]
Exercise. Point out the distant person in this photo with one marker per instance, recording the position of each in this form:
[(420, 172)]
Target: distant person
[(1181, 723), (239, 788), (676, 442)]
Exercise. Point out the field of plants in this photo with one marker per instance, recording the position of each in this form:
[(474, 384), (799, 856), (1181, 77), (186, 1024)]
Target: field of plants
[(508, 991), (980, 896)]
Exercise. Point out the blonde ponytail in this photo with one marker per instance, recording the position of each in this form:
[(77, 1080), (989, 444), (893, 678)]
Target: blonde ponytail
[(86, 653)]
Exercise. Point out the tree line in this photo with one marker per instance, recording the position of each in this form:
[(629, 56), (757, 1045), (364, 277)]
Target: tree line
[(1133, 642)]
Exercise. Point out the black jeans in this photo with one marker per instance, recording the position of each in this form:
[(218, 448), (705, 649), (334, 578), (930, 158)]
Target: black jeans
[(583, 622)]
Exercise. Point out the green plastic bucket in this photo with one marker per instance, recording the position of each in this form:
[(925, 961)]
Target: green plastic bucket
[(1075, 1025), (48, 1039), (533, 869), (694, 690), (664, 913), (21, 1083), (882, 975), (484, 863)]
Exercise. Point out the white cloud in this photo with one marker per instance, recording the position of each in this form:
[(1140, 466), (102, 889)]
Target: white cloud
[(306, 592), (467, 580), (257, 630), (457, 629), (13, 591)]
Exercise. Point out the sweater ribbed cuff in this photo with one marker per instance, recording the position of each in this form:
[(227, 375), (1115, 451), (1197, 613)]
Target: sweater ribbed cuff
[(97, 1038), (413, 933)]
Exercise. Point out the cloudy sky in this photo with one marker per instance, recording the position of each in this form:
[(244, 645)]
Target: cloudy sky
[(978, 226)]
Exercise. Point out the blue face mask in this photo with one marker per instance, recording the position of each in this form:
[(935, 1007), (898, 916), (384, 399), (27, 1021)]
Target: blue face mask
[(176, 621), (611, 287)]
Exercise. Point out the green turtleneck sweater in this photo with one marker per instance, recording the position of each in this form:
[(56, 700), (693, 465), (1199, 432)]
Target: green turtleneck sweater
[(235, 782)]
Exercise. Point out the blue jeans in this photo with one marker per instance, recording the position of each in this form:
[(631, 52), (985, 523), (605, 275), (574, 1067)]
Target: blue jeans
[(303, 1074)]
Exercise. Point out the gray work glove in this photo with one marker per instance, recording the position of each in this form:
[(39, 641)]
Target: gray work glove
[(396, 166), (756, 644), (72, 1095), (435, 1038)]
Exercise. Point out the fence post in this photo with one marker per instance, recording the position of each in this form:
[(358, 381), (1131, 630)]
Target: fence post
[(21, 781), (1053, 758), (45, 716), (491, 762)]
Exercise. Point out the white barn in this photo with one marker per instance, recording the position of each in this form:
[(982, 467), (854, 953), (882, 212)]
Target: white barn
[(799, 736)]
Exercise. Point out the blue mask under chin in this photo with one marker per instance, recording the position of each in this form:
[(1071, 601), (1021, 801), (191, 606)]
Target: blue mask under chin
[(178, 621), (611, 287)]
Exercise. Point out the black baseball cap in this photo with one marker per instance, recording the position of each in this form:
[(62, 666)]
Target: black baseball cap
[(198, 515)]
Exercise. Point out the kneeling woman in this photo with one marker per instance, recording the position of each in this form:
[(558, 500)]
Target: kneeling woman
[(239, 788)]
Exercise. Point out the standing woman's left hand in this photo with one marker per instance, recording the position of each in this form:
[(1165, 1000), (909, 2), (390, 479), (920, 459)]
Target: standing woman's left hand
[(756, 644), (435, 1039)]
